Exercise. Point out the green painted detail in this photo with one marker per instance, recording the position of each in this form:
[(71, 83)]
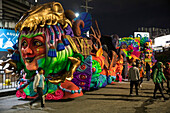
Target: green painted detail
[(96, 64), (29, 90), (26, 90), (52, 87), (41, 62), (57, 64), (29, 35), (95, 75), (95, 80)]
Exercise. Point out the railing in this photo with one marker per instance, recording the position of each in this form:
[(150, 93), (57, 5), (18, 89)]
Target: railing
[(7, 81)]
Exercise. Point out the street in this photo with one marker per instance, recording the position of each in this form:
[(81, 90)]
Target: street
[(111, 99)]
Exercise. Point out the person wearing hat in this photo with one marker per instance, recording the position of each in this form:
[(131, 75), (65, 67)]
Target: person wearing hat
[(134, 78)]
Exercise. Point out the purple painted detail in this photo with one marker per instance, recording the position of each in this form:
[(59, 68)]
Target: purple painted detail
[(136, 48), (68, 31), (83, 74)]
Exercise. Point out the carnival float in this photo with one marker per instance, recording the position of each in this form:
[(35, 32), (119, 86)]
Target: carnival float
[(56, 41)]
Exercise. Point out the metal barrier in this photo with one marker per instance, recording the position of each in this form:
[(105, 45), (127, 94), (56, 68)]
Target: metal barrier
[(7, 81)]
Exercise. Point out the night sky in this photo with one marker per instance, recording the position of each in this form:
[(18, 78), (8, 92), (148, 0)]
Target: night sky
[(123, 17)]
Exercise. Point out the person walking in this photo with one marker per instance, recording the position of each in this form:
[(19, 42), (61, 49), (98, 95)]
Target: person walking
[(148, 71), (167, 75), (134, 78), (141, 72), (38, 86), (157, 79)]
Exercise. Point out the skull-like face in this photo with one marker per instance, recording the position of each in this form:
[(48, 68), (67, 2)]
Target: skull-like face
[(33, 49), (148, 53)]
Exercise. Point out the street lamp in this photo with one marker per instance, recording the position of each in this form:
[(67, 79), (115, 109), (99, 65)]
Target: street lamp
[(77, 14)]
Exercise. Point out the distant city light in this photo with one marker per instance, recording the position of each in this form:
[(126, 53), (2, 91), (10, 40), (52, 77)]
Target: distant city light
[(77, 14)]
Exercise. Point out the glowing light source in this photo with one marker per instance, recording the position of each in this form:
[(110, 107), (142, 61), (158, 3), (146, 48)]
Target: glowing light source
[(77, 14)]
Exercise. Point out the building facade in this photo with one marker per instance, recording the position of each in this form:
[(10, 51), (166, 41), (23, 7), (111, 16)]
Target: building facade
[(11, 11), (154, 32)]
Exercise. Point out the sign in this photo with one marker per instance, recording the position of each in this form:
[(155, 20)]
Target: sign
[(7, 39), (143, 34)]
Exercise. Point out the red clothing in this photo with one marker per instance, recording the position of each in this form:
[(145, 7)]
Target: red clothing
[(141, 71), (167, 73)]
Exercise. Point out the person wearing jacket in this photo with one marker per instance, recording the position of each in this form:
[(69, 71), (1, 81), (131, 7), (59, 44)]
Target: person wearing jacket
[(167, 74), (158, 76), (38, 86), (134, 78)]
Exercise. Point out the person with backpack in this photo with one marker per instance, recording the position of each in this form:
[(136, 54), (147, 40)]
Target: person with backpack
[(158, 76)]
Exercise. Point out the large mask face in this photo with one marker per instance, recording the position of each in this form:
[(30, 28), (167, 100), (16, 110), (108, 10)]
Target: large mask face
[(32, 49)]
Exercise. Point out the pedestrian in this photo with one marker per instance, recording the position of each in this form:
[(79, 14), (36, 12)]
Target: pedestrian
[(157, 79), (141, 72), (167, 74), (38, 86), (153, 68), (134, 77), (148, 71), (22, 72)]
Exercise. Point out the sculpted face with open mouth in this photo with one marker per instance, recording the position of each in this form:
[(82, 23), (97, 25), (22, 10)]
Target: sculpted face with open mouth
[(32, 49)]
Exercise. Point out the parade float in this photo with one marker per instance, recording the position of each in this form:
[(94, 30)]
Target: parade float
[(138, 49), (55, 40)]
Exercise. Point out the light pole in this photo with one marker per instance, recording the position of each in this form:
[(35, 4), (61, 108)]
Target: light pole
[(86, 5)]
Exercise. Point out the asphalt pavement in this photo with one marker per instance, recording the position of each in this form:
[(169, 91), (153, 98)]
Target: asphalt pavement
[(111, 99)]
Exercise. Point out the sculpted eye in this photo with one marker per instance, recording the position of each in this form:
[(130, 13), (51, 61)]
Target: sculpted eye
[(24, 44), (37, 43)]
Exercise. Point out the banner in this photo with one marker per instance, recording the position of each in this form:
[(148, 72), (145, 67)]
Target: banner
[(7, 39)]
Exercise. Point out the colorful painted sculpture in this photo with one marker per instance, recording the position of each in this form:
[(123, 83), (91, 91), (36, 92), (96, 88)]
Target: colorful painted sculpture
[(54, 40), (43, 43), (147, 51), (83, 74), (138, 48), (115, 55)]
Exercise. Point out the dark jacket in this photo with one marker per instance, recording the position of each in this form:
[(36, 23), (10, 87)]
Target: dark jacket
[(133, 74), (167, 73)]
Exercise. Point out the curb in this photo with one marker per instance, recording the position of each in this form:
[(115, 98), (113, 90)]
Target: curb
[(8, 92)]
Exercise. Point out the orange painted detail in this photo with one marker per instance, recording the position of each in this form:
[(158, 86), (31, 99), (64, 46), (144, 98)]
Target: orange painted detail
[(71, 86)]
